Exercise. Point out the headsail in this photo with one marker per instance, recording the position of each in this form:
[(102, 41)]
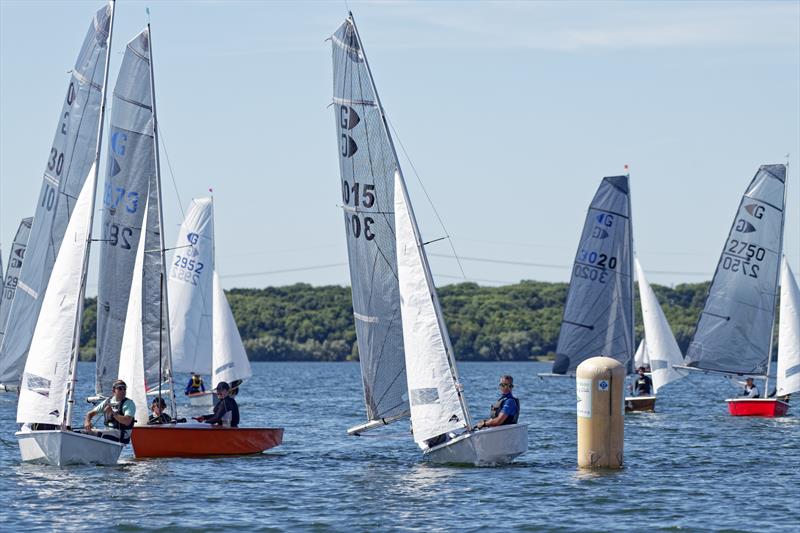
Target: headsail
[(598, 315), (367, 163), (641, 358), (130, 168), (789, 335), (68, 163), (661, 346), (230, 361), (735, 328), (433, 390), (11, 275), (190, 290)]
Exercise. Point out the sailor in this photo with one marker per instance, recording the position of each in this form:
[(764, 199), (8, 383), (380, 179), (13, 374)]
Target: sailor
[(506, 409), (226, 412), (195, 385), (158, 415), (119, 413), (750, 390), (644, 384)]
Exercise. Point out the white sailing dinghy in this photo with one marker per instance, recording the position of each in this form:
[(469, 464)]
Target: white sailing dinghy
[(367, 163), (68, 163), (788, 378), (734, 332), (598, 314), (16, 257), (47, 390), (659, 348)]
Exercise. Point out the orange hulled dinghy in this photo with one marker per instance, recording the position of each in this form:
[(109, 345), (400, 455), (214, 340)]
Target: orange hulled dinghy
[(198, 440)]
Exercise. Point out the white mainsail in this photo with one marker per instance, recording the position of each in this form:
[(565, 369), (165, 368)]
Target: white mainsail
[(661, 346), (11, 276), (432, 388), (54, 350), (641, 358), (190, 290), (71, 156), (229, 361), (789, 335)]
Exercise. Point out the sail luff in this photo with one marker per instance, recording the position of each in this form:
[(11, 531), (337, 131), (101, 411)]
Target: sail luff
[(788, 372)]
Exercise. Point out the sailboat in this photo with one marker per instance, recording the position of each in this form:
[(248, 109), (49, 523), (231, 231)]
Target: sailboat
[(204, 335), (68, 163), (734, 331), (435, 393), (788, 378), (47, 389), (598, 314), (659, 348), (10, 277)]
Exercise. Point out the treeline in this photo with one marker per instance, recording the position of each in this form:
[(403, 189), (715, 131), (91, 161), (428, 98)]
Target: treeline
[(514, 322)]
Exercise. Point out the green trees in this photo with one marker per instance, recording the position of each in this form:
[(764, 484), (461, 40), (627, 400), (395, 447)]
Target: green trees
[(513, 322)]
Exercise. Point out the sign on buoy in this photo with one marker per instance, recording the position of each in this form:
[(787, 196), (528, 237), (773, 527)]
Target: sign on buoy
[(600, 384)]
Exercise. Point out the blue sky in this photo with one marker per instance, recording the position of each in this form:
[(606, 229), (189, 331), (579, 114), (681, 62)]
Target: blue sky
[(510, 112)]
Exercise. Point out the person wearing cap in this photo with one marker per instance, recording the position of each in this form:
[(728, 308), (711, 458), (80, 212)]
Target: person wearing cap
[(506, 409), (158, 415), (750, 389), (226, 412), (119, 413)]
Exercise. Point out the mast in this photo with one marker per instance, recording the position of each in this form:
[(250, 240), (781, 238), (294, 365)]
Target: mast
[(165, 299), (70, 400), (417, 238), (631, 270)]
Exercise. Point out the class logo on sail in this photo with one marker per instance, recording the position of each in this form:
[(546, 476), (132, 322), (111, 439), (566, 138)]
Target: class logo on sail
[(193, 239), (743, 226), (755, 210)]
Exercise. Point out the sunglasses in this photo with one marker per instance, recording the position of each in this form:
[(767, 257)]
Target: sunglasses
[(504, 385), (120, 388)]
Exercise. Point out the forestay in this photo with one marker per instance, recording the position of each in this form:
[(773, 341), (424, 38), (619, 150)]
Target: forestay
[(661, 347), (230, 361), (13, 268), (130, 168), (598, 315), (734, 330), (68, 162), (190, 290), (367, 164), (48, 369), (432, 387), (789, 335)]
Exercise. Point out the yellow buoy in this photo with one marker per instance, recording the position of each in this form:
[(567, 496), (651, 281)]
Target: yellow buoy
[(601, 412)]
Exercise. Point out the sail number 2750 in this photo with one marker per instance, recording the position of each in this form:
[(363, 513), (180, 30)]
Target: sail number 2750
[(361, 195), (738, 256)]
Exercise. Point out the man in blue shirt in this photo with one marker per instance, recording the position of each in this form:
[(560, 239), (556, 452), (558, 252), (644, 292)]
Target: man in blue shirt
[(506, 409)]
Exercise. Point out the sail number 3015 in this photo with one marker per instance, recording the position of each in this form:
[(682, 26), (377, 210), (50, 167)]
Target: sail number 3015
[(361, 195)]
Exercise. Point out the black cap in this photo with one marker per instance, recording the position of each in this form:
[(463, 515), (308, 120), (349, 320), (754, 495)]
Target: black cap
[(222, 386)]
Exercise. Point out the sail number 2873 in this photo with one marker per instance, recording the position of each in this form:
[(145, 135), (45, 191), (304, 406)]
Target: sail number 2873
[(359, 195)]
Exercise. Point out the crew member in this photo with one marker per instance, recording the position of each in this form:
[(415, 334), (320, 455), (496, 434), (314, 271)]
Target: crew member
[(506, 409), (644, 384), (158, 416), (226, 412), (750, 389), (195, 385), (119, 413)]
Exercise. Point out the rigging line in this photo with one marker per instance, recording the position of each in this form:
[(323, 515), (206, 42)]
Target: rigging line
[(282, 271), (169, 166), (439, 218)]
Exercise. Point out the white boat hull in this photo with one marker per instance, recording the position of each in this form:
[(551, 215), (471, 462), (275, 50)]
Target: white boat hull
[(485, 447), (62, 448), (201, 399)]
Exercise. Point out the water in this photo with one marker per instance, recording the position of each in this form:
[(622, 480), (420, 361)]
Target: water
[(689, 466)]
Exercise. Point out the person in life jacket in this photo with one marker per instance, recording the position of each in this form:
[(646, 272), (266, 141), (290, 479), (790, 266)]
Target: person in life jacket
[(119, 413), (158, 415), (195, 385), (226, 412), (750, 389), (644, 385), (506, 409)]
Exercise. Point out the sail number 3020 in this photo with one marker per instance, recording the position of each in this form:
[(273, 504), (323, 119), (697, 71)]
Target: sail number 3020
[(361, 195)]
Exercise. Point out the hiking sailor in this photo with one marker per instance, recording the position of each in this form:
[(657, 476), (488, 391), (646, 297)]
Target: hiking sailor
[(226, 412), (119, 413), (506, 409)]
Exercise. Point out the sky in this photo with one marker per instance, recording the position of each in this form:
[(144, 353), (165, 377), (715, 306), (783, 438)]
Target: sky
[(508, 113)]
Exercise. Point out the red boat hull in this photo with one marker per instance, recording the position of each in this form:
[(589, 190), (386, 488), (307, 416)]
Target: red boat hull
[(199, 440), (768, 407)]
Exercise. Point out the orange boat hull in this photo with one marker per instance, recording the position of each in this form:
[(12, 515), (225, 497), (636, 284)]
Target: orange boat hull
[(198, 440), (768, 407)]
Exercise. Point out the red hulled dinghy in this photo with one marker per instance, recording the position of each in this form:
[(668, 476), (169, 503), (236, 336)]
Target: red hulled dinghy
[(769, 407), (200, 440)]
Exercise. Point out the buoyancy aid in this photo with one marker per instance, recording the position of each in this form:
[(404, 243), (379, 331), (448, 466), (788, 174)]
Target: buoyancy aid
[(498, 406), (124, 429)]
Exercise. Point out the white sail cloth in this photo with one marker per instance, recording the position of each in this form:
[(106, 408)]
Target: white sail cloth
[(435, 405), (789, 335), (48, 369), (661, 346), (68, 162), (190, 290), (641, 357), (230, 361), (11, 276)]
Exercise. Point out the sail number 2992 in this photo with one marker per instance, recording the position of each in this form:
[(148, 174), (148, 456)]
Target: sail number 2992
[(361, 195)]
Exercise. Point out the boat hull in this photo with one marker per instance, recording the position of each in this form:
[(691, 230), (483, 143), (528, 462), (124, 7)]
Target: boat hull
[(201, 440), (201, 399), (768, 407), (63, 448), (640, 404), (485, 447)]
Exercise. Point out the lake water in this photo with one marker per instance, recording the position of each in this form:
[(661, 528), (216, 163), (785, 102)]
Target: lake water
[(688, 466)]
